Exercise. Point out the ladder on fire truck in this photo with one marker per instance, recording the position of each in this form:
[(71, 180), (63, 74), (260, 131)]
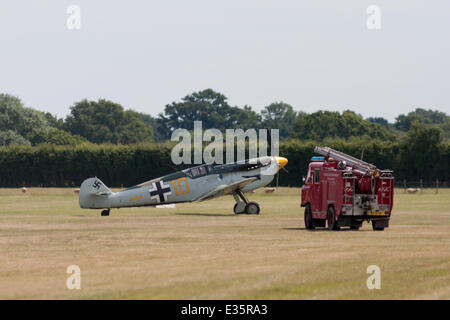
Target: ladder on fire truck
[(340, 156)]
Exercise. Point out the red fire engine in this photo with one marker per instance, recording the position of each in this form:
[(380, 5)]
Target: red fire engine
[(345, 191)]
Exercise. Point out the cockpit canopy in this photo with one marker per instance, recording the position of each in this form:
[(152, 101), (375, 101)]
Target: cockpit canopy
[(199, 171), (246, 165)]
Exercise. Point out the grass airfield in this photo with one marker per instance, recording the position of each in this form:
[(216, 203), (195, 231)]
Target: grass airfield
[(203, 251)]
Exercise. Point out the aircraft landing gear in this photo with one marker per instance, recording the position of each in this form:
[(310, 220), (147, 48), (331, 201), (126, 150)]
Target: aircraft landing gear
[(243, 205), (239, 207), (105, 212), (252, 208)]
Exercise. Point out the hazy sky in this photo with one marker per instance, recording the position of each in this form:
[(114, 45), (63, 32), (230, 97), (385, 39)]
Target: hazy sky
[(313, 54)]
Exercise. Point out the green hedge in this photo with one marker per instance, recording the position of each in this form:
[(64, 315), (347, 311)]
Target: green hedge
[(64, 166), (59, 166)]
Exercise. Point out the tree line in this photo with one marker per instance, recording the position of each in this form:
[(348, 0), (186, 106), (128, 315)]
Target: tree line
[(104, 121)]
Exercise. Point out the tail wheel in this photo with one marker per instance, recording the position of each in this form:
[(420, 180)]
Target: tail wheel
[(331, 218), (252, 208), (105, 213), (308, 218)]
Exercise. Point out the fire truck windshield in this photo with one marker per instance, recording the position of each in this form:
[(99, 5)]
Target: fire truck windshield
[(308, 176), (316, 175)]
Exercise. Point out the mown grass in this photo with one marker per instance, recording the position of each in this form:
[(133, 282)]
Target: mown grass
[(203, 251)]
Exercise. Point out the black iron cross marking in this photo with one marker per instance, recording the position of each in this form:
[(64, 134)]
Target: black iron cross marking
[(159, 191)]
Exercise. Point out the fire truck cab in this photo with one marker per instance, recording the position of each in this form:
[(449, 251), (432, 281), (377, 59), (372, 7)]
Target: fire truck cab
[(343, 191)]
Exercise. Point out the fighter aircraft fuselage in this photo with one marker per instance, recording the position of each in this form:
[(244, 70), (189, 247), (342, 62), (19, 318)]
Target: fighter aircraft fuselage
[(193, 184)]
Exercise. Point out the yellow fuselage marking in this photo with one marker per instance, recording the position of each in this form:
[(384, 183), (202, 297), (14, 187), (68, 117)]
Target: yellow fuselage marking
[(135, 198)]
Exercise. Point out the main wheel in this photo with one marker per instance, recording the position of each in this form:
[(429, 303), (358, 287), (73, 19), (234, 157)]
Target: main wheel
[(308, 218), (252, 208), (331, 218), (105, 213), (375, 228)]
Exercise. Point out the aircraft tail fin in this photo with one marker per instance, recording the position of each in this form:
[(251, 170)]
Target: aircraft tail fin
[(93, 193)]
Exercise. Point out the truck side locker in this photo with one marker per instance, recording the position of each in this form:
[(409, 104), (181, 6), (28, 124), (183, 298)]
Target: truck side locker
[(349, 192), (324, 199), (353, 195)]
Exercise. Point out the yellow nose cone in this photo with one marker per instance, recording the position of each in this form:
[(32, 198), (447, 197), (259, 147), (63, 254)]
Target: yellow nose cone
[(281, 162)]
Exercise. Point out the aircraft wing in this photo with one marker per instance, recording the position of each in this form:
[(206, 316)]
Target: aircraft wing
[(226, 189)]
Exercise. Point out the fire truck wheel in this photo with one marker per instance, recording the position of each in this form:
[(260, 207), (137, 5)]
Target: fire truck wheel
[(331, 218), (308, 218), (252, 208), (375, 228)]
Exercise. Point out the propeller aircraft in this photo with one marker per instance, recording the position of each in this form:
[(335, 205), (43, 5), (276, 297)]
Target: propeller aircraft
[(198, 183)]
